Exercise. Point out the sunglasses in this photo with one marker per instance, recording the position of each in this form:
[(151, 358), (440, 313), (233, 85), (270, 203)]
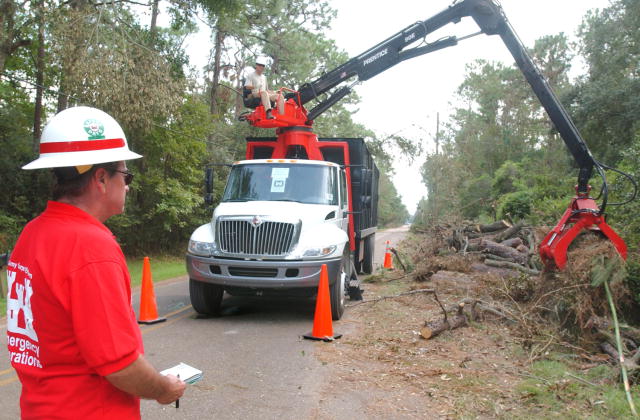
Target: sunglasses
[(128, 176)]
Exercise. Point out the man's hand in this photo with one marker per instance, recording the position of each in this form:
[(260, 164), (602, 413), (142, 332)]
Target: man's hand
[(142, 380), (174, 388)]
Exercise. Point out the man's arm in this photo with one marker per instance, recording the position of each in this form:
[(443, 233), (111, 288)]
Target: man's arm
[(142, 380), (250, 83)]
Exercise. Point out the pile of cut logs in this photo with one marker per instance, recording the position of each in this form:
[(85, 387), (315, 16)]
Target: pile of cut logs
[(502, 244)]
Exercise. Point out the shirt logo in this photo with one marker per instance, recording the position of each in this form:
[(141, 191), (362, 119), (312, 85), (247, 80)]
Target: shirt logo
[(21, 334), (94, 128)]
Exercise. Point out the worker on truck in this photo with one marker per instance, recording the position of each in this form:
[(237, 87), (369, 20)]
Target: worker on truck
[(72, 334), (257, 83)]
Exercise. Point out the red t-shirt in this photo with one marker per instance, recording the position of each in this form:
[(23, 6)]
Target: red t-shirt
[(70, 321)]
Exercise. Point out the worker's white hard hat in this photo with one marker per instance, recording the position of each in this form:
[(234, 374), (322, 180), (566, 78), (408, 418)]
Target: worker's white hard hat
[(81, 136), (261, 61)]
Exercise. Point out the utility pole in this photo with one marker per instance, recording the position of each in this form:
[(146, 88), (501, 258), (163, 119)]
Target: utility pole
[(435, 173), (437, 131)]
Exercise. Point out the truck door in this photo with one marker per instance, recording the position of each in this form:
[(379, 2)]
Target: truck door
[(344, 202)]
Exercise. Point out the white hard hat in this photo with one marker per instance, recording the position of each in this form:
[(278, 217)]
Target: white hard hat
[(261, 61), (81, 136)]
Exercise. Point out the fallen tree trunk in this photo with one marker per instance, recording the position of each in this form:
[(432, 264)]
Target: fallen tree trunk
[(503, 251), (630, 363), (510, 232), (513, 242), (478, 305), (494, 227), (433, 329), (508, 264)]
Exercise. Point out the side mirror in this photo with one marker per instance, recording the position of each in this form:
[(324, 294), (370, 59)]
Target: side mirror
[(208, 186)]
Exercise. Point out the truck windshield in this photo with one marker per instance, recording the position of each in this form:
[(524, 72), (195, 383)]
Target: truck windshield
[(310, 184)]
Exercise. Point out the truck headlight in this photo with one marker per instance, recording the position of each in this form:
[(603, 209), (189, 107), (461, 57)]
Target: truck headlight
[(320, 252), (204, 249)]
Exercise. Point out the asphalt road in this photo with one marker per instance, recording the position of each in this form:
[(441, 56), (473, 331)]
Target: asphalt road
[(255, 363)]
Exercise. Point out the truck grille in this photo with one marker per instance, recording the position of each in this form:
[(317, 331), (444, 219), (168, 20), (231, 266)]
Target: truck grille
[(244, 237)]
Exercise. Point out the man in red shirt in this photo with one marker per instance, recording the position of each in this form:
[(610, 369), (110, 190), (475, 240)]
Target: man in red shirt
[(72, 334)]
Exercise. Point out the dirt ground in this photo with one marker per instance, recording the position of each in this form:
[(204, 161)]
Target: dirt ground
[(475, 372), (469, 372)]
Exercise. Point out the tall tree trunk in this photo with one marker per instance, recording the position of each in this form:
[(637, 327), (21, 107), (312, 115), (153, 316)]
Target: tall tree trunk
[(69, 61), (216, 69), (37, 113), (63, 99), (8, 32), (239, 103), (154, 20)]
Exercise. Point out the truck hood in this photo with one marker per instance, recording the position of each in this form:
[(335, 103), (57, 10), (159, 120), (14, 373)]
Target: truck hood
[(308, 213)]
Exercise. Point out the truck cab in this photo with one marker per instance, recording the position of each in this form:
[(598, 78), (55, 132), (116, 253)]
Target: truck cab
[(278, 222)]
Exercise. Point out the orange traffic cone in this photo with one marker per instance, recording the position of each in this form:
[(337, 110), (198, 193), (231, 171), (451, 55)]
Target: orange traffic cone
[(388, 260), (322, 327), (148, 308)]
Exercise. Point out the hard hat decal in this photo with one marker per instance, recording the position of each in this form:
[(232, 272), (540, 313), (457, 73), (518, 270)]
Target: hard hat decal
[(94, 129)]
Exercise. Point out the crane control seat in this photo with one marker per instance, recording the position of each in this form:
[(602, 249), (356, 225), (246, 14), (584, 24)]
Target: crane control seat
[(247, 99)]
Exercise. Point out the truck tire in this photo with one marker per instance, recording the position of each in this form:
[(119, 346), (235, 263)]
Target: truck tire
[(369, 251), (338, 290), (206, 298)]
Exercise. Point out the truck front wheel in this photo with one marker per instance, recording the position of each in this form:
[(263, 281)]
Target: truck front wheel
[(338, 290), (206, 298)]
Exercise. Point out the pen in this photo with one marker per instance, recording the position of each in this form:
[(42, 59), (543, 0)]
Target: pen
[(178, 400)]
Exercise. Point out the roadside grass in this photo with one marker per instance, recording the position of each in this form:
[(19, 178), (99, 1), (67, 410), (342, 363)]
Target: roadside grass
[(553, 388), (162, 268)]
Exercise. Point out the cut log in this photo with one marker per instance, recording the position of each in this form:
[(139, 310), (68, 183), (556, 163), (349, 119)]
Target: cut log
[(630, 364), (435, 328), (610, 350), (508, 264), (503, 251), (523, 248), (513, 242), (510, 232), (494, 227)]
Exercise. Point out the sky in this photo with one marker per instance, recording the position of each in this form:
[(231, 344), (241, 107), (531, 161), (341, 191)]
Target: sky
[(407, 98)]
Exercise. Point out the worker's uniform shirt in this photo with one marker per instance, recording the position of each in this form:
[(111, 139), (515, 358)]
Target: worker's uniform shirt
[(258, 82), (69, 318)]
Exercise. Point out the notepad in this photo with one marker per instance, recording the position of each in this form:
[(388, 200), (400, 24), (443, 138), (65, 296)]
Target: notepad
[(185, 372)]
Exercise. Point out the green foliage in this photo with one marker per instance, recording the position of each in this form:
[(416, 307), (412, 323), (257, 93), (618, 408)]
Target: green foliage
[(633, 278), (516, 204), (166, 204), (608, 96), (475, 196), (508, 178)]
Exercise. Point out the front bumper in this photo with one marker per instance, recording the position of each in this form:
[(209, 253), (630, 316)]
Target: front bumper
[(263, 274)]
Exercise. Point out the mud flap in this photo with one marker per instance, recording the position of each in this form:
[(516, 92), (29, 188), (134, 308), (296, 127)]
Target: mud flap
[(355, 292)]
